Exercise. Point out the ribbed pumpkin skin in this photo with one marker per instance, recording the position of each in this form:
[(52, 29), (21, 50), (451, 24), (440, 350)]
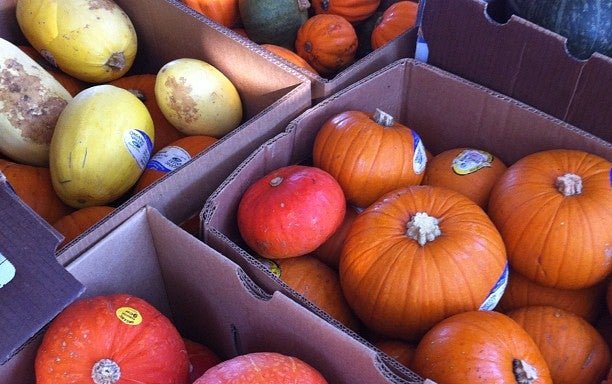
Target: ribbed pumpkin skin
[(289, 55), (351, 10), (400, 289), (91, 329), (367, 158), (224, 12), (327, 42), (397, 19), (72, 225), (477, 347), (573, 349), (556, 240)]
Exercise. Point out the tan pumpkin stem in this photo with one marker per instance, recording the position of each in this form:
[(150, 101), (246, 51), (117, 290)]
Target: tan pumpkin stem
[(276, 181), (383, 118), (105, 371), (303, 4), (116, 62), (569, 184), (423, 228), (523, 372)]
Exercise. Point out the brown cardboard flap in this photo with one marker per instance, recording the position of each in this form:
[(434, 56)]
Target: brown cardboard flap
[(520, 59)]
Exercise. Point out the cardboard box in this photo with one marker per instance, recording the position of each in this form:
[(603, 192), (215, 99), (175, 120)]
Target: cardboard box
[(272, 95), (207, 296), (400, 47), (479, 41), (445, 110)]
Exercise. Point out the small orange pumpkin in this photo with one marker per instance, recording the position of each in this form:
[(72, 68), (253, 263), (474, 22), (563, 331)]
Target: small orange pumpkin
[(400, 350), (329, 251), (351, 10), (396, 19), (327, 42), (201, 359), (224, 12), (73, 225), (289, 55)]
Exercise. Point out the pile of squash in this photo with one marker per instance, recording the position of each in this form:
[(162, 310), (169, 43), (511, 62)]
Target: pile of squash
[(80, 131), (321, 36), (465, 268)]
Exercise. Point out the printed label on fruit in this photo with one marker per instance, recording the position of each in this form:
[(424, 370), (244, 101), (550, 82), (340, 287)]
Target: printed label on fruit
[(7, 271), (140, 146), (271, 266), (168, 159), (496, 293), (470, 161), (129, 315), (419, 161)]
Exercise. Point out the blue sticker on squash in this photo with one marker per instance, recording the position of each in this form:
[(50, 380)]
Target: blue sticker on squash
[(139, 145), (496, 292), (168, 159)]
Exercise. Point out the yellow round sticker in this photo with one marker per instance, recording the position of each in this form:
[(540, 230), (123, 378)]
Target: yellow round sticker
[(129, 315)]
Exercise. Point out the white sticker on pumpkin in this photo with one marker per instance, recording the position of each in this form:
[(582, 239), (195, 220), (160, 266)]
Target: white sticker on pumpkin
[(7, 271), (470, 161), (168, 159), (497, 292), (419, 160), (139, 145)]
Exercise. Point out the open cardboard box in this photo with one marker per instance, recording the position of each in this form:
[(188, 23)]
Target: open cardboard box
[(271, 95), (444, 109), (400, 47), (211, 300), (479, 41)]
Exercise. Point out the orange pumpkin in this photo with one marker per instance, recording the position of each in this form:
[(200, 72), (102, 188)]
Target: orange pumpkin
[(143, 86), (396, 19), (400, 350), (116, 338), (329, 251), (317, 282), (369, 155), (73, 225), (522, 292), (172, 157), (480, 347), (33, 185), (418, 255), (224, 12), (573, 349), (201, 358), (327, 42), (554, 211), (351, 10), (289, 55)]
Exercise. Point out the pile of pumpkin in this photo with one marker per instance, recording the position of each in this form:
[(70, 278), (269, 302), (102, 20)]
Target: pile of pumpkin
[(463, 268), (80, 133), (321, 36)]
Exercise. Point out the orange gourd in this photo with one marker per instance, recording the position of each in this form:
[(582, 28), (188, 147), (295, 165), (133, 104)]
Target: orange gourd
[(573, 349), (329, 251), (108, 339), (74, 224), (554, 211), (224, 12), (369, 155), (418, 255), (470, 171), (143, 86), (395, 20), (351, 10), (171, 157), (480, 347), (327, 42), (289, 55), (317, 282), (33, 185)]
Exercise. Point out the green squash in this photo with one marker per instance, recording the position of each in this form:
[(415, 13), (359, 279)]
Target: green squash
[(273, 21)]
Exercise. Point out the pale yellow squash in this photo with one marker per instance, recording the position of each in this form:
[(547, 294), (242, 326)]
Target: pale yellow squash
[(91, 40), (102, 142)]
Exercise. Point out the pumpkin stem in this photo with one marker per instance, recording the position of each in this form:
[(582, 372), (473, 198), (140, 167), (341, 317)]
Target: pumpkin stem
[(569, 184), (105, 371), (423, 228), (523, 372), (303, 4), (116, 61), (383, 118), (276, 181)]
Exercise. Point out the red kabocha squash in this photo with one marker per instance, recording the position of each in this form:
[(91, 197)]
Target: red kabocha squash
[(417, 256), (522, 292), (480, 347), (33, 185), (74, 224), (554, 211), (328, 43), (573, 349), (289, 55), (172, 157), (396, 19), (470, 171), (317, 282), (290, 211), (329, 252), (201, 358), (351, 10), (224, 12), (262, 368), (143, 86), (108, 339), (369, 155)]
